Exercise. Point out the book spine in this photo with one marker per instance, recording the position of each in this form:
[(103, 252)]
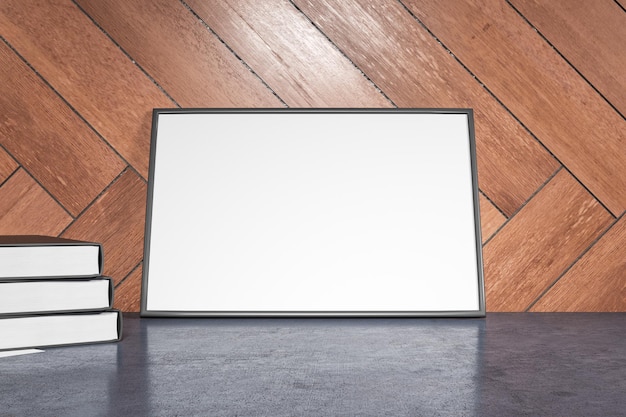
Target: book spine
[(100, 258)]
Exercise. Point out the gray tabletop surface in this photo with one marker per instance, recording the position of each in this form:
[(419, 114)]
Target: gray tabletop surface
[(518, 364)]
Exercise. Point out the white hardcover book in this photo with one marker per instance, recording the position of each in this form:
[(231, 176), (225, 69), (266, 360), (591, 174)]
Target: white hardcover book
[(46, 256), (59, 329), (55, 295)]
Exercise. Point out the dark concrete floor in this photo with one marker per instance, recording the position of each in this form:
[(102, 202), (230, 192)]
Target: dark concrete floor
[(504, 365)]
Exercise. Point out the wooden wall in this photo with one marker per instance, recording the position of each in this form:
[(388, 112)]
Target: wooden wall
[(546, 79)]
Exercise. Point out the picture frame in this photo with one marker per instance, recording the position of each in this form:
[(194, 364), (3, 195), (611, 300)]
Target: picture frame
[(312, 212)]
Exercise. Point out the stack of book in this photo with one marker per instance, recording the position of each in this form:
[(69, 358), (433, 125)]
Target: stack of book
[(52, 293)]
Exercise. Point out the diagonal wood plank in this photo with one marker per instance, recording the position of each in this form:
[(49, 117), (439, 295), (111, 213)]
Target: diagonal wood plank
[(413, 70), (116, 220), (128, 292), (26, 208), (289, 53), (591, 36), (543, 239), (175, 48), (88, 70), (7, 165), (490, 218), (597, 282), (539, 87), (49, 139)]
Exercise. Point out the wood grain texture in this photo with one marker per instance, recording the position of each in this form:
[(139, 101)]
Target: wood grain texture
[(26, 208), (593, 39), (7, 165), (49, 139), (413, 70), (116, 220), (189, 62), (539, 87), (490, 218), (597, 282), (88, 70), (289, 53), (543, 239), (128, 292)]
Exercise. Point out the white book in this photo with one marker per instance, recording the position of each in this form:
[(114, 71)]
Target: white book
[(59, 329), (55, 295), (26, 256)]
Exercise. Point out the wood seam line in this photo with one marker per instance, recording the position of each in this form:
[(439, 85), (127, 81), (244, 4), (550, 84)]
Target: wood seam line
[(96, 24), (14, 160), (537, 191), (614, 215), (42, 187), (12, 174), (378, 89), (129, 274), (80, 116), (507, 109), (492, 203), (582, 254), (564, 58), (104, 190), (232, 51)]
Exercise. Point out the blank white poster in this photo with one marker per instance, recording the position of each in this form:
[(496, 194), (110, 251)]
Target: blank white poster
[(294, 212)]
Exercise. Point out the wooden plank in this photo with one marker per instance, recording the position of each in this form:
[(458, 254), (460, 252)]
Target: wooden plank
[(539, 87), (597, 282), (543, 239), (404, 60), (26, 208), (175, 48), (591, 36), (88, 70), (116, 220), (7, 165), (49, 139), (290, 54), (490, 218), (128, 292)]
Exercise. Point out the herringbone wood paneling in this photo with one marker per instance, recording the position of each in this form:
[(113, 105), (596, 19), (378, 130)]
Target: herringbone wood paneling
[(49, 139), (26, 208), (600, 275), (128, 292), (563, 111), (116, 219), (490, 218), (183, 56), (88, 70), (588, 37), (543, 239), (299, 64), (78, 79)]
